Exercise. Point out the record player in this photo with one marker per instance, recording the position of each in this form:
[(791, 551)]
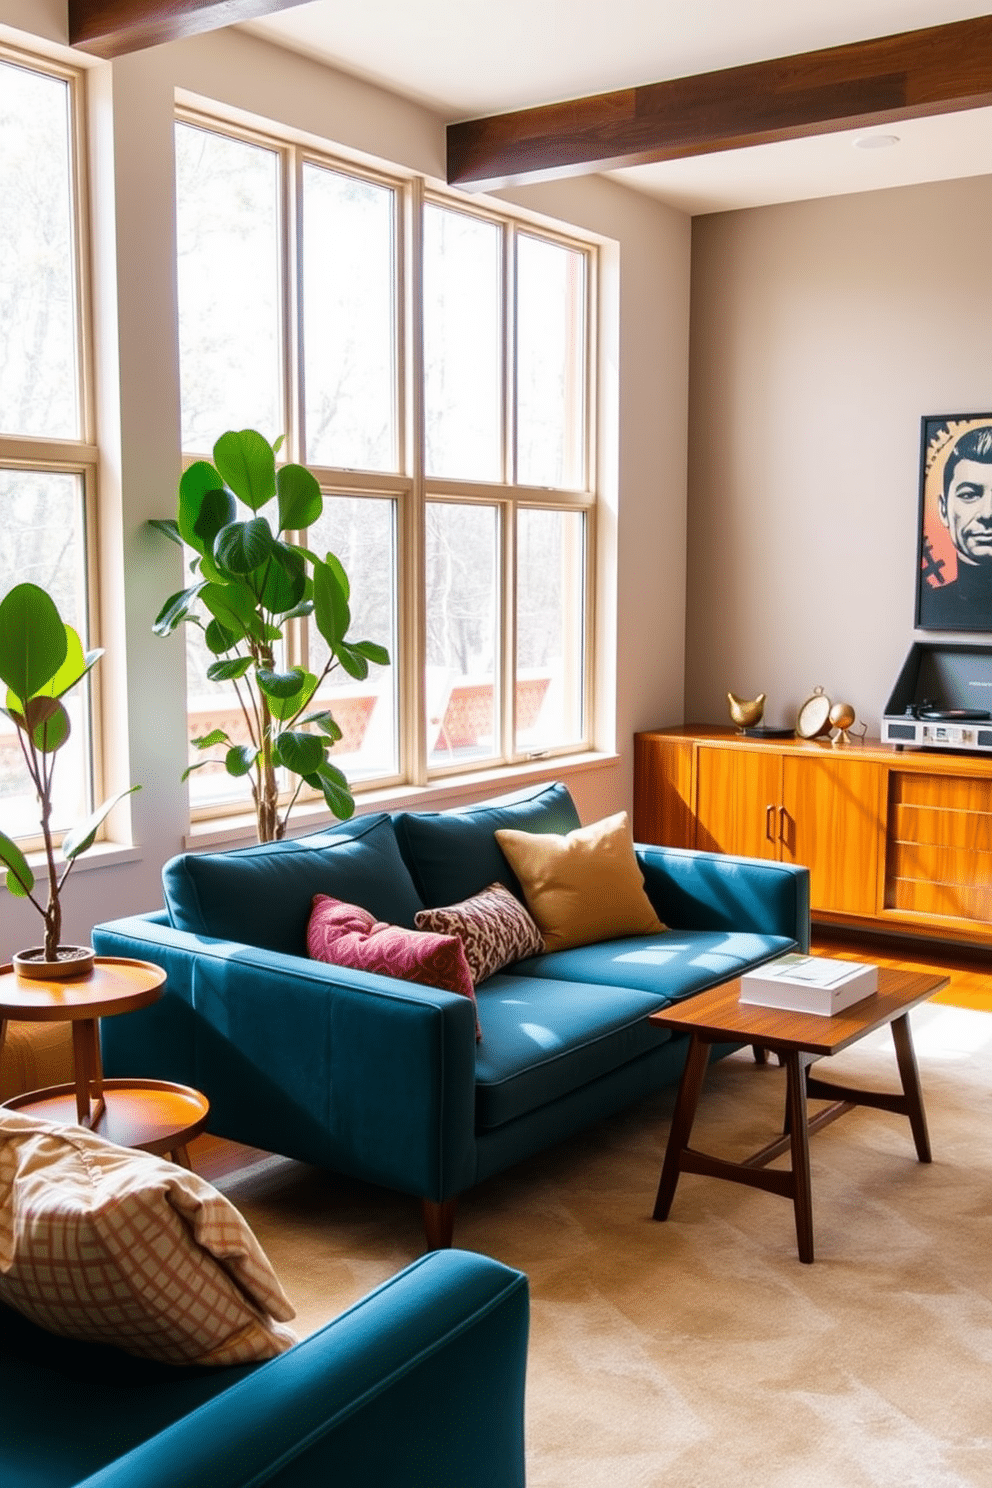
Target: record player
[(943, 699)]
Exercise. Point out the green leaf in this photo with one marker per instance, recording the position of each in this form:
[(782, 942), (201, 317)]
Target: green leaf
[(169, 526), (302, 753), (335, 791), (227, 671), (352, 660), (298, 612), (77, 663), (199, 765), (277, 444), (233, 604), (283, 708), (177, 608), (218, 510), (218, 639), (300, 501), (33, 642), (330, 605), (242, 547), (281, 684), (20, 879), (325, 722), (335, 564), (285, 580), (240, 759), (81, 838), (372, 651), (52, 732), (207, 741), (39, 710), (196, 481), (248, 465)]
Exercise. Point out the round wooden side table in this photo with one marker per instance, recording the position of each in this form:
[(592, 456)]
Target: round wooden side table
[(155, 1115)]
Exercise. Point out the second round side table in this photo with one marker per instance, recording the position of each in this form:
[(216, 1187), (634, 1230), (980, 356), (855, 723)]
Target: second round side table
[(154, 1115)]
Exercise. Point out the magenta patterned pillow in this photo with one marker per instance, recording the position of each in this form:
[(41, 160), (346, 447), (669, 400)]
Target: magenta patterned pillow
[(493, 926), (346, 935)]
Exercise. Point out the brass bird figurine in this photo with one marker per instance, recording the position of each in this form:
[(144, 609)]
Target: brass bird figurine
[(746, 713)]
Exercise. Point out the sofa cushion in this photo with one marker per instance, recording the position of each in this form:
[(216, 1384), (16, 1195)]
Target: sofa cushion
[(346, 935), (103, 1243), (262, 895), (453, 854), (494, 927), (546, 1038), (670, 966), (584, 886)]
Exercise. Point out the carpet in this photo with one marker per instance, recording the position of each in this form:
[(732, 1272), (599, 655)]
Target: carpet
[(700, 1353)]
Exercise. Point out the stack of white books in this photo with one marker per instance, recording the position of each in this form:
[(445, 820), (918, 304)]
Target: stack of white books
[(809, 984)]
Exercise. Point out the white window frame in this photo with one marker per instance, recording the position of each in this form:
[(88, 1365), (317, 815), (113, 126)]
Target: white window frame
[(73, 456), (410, 486)]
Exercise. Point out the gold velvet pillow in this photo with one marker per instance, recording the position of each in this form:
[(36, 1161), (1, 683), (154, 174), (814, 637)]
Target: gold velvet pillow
[(584, 886)]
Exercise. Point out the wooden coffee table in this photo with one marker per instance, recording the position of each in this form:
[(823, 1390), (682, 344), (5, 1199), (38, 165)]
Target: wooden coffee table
[(155, 1115), (717, 1016)]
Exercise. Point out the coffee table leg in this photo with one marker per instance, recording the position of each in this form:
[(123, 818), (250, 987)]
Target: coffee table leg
[(909, 1072), (690, 1085), (795, 1068)]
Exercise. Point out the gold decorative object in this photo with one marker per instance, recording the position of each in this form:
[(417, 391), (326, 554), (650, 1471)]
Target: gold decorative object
[(746, 712), (842, 716), (814, 716)]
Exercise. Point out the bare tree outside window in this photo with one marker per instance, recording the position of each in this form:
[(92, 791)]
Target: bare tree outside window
[(462, 618), (227, 226), (349, 332), (551, 374), (39, 380), (462, 345)]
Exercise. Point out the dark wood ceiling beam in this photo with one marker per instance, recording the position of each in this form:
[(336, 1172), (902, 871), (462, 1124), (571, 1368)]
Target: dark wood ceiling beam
[(938, 70), (110, 28)]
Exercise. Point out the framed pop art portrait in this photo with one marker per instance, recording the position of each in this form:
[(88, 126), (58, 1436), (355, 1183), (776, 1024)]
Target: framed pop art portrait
[(954, 573)]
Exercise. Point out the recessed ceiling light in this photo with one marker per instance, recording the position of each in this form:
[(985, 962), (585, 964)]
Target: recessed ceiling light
[(876, 141)]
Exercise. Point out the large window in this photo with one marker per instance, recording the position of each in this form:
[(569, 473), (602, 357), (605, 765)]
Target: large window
[(430, 361), (47, 458)]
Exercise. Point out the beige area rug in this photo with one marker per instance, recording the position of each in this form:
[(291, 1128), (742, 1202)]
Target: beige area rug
[(700, 1353)]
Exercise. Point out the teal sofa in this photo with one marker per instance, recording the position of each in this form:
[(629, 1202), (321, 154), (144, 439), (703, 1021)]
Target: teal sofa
[(419, 1385), (384, 1079)]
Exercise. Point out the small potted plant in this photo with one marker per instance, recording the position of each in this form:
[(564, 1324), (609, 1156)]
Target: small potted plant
[(41, 658), (249, 585)]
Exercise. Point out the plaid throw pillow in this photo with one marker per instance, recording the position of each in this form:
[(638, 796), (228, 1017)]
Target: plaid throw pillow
[(110, 1245)]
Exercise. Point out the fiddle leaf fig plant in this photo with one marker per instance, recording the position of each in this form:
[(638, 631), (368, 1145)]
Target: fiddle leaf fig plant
[(249, 584), (41, 658)]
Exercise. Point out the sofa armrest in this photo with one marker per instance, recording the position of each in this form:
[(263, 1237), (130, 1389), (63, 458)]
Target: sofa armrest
[(714, 891), (346, 1069), (421, 1382)]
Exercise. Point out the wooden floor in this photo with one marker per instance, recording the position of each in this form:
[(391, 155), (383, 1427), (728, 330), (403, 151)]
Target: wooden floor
[(970, 971), (970, 987)]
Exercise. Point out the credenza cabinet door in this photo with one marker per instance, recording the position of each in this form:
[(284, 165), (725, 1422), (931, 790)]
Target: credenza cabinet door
[(738, 800), (833, 823)]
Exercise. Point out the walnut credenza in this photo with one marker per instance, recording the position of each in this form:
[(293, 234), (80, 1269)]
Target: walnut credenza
[(898, 842)]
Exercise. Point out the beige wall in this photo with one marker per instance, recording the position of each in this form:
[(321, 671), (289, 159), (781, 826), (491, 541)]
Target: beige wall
[(640, 620), (821, 332)]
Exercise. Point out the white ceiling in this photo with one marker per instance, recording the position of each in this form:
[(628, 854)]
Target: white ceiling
[(466, 58)]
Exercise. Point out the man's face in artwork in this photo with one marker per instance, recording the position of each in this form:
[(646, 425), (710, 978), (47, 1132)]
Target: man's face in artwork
[(966, 511)]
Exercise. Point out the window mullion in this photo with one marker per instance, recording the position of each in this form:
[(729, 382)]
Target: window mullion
[(508, 523), (412, 566), (291, 198)]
